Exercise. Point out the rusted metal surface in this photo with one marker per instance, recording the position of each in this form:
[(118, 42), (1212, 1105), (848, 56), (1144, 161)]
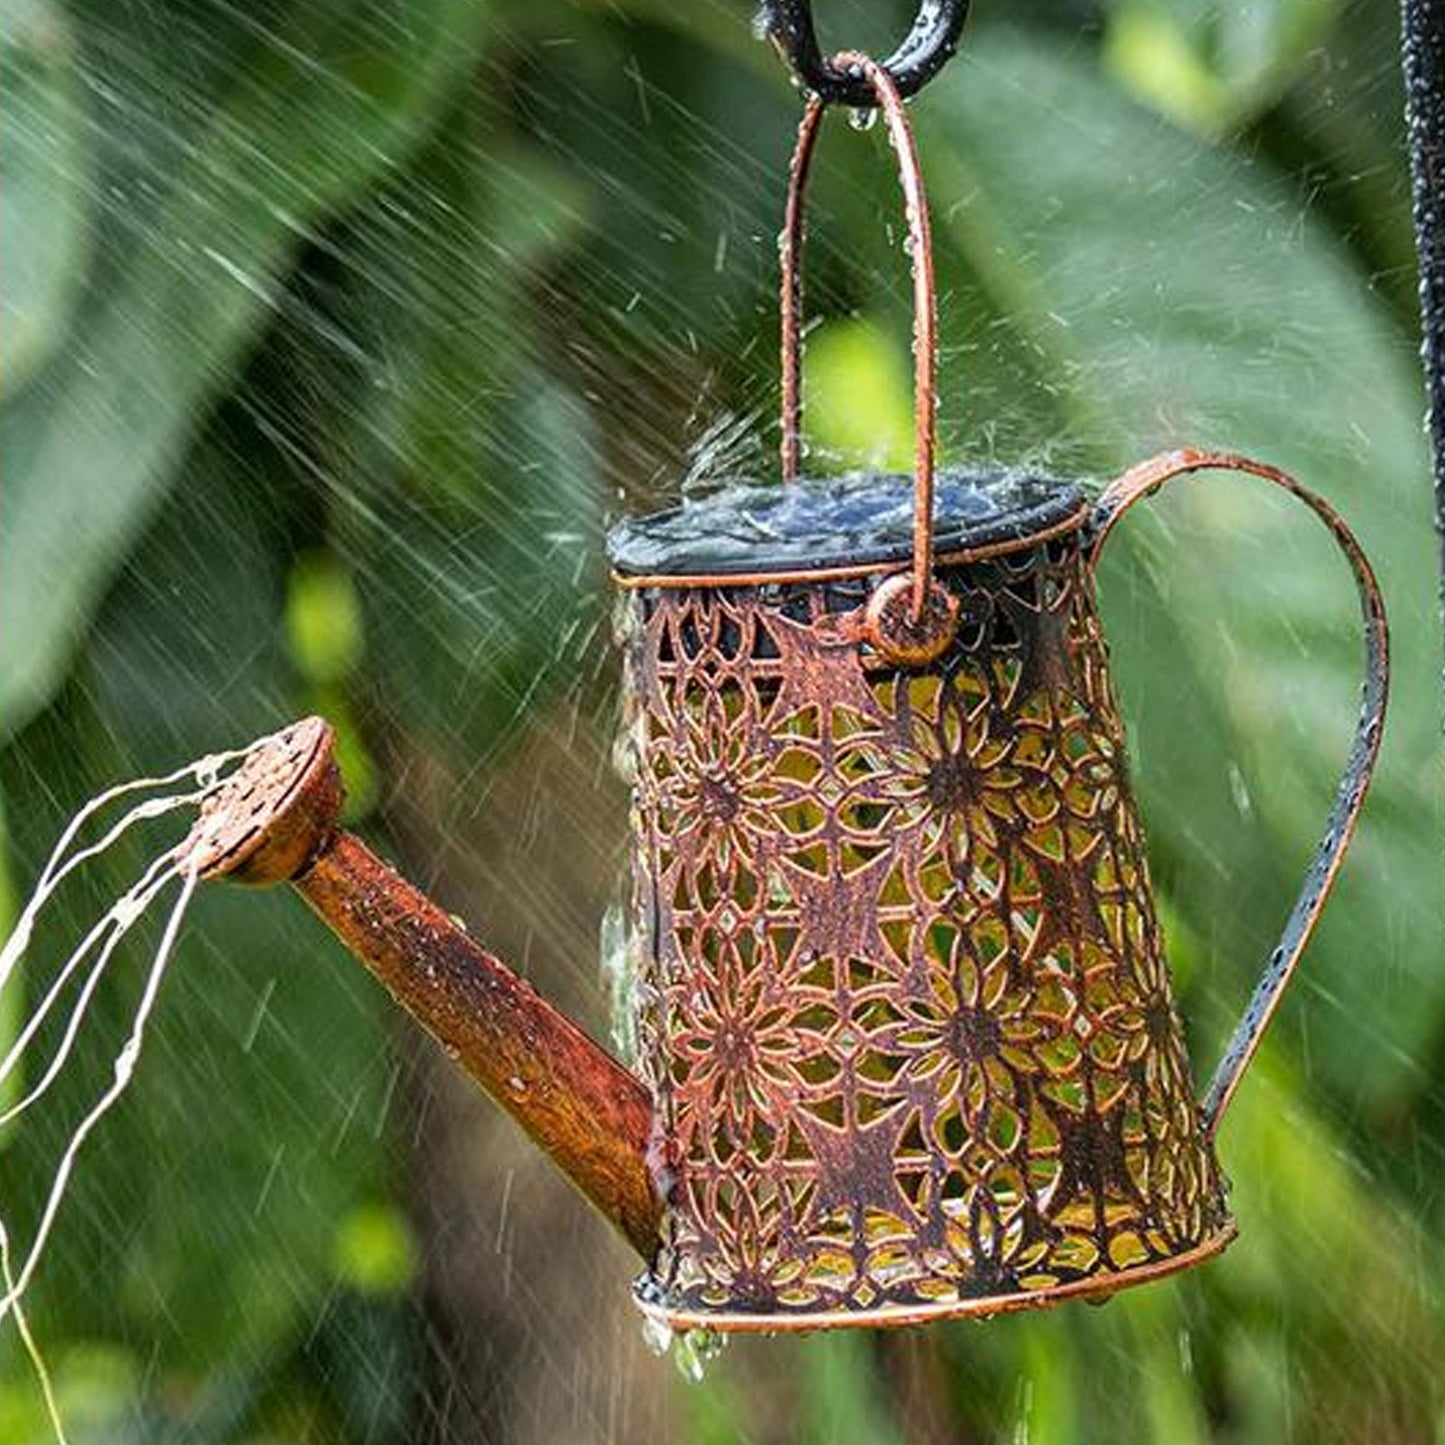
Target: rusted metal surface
[(908, 1018), (925, 320), (277, 820), (909, 1043), (584, 1108), (1143, 481), (266, 821), (1096, 1287), (909, 1023)]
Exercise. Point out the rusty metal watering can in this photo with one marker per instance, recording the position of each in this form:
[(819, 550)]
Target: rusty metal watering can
[(908, 1043)]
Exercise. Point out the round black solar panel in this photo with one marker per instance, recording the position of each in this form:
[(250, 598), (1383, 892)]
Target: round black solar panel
[(859, 520)]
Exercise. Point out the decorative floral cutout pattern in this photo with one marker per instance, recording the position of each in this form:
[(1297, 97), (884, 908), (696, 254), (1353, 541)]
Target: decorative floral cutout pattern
[(906, 1011)]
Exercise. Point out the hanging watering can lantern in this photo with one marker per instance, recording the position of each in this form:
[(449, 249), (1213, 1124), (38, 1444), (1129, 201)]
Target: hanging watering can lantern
[(908, 1044)]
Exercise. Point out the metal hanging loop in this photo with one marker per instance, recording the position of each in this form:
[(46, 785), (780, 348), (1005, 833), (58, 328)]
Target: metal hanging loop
[(922, 603), (840, 81)]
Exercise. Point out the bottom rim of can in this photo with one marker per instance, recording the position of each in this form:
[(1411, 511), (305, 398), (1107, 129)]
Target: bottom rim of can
[(1102, 1284)]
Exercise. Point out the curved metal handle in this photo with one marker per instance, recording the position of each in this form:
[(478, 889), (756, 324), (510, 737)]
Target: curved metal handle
[(927, 49), (925, 308), (1118, 497)]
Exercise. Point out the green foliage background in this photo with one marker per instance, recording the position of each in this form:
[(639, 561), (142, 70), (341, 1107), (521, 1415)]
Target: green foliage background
[(334, 331)]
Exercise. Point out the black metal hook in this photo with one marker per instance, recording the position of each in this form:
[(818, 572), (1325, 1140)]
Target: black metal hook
[(928, 48)]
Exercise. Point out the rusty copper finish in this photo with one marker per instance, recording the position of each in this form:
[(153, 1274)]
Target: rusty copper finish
[(909, 1024), (276, 819), (587, 1111), (1096, 1288), (267, 820), (906, 1010), (911, 639), (1143, 481), (925, 310), (909, 1043), (907, 1016), (910, 1047)]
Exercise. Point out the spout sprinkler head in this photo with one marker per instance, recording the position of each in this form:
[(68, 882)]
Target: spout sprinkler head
[(275, 814)]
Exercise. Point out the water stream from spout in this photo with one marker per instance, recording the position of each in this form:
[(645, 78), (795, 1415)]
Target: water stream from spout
[(174, 871)]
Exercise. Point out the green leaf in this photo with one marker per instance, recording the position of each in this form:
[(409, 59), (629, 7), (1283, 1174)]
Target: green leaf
[(95, 1389), (45, 186), (330, 104), (373, 1251), (1342, 125), (1213, 65), (323, 619), (857, 398), (477, 613), (843, 1394)]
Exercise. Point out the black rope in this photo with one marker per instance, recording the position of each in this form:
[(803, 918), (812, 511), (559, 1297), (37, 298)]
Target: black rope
[(1425, 109)]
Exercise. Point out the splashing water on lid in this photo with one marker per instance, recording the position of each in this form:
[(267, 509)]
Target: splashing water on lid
[(855, 520)]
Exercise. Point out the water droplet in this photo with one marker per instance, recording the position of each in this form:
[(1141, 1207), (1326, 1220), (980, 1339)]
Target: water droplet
[(1239, 790), (656, 1335), (695, 1351), (863, 117)]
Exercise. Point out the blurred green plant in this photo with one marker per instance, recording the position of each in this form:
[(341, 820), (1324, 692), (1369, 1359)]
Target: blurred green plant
[(331, 335), (1214, 66)]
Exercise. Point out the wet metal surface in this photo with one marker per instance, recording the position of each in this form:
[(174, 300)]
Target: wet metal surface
[(907, 1015), (270, 818), (925, 307), (1143, 481), (843, 522), (906, 1007), (908, 1039), (928, 47), (277, 819), (1424, 39)]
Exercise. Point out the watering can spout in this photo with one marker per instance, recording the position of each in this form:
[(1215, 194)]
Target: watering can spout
[(276, 820)]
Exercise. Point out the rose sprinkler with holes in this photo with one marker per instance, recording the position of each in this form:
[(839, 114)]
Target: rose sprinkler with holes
[(908, 1046)]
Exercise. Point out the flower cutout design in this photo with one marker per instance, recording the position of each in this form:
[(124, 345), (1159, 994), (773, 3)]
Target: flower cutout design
[(911, 1027), (950, 779), (751, 1266), (734, 1045), (712, 792), (1160, 1057), (972, 1039)]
